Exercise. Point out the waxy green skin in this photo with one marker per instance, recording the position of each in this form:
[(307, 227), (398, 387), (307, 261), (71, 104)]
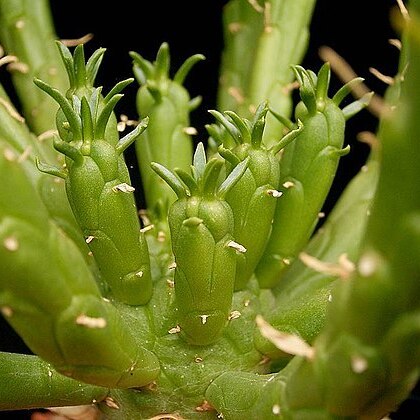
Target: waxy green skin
[(308, 165), (253, 199), (359, 370), (96, 185), (201, 222), (305, 295), (248, 76), (366, 352), (167, 140), (62, 292), (204, 289), (23, 145), (27, 32)]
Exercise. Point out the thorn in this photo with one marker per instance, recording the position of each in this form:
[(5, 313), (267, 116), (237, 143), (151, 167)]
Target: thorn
[(204, 318), (9, 155), (20, 24), (382, 77), (358, 364), (234, 315), (18, 66), (343, 269), (144, 217), (252, 108), (368, 264), (77, 41), (172, 266), (47, 135), (191, 131), (204, 406), (11, 243), (12, 111), (161, 236), (90, 322), (288, 184), (175, 330), (111, 403), (124, 187), (268, 27), (395, 43), (152, 386), (7, 59), (147, 228), (276, 409), (289, 343), (237, 247), (369, 138), (89, 239), (256, 6), (274, 193), (236, 94), (140, 273), (192, 221), (264, 360), (234, 27), (6, 311), (403, 10), (321, 215)]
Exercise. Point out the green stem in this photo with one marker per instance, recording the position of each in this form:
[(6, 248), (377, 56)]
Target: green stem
[(27, 32), (28, 382), (249, 76)]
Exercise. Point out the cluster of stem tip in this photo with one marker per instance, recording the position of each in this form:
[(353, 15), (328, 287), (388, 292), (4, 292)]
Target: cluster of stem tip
[(97, 180)]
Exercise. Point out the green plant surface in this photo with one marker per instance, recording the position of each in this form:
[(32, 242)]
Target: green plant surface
[(308, 167), (167, 140), (254, 198), (280, 30), (222, 298), (27, 33)]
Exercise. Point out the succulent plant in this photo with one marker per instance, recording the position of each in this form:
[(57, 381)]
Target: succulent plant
[(225, 297)]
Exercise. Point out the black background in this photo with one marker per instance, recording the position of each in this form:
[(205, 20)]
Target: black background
[(358, 30)]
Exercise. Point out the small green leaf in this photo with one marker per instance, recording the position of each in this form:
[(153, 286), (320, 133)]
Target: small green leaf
[(200, 160), (356, 106), (233, 178), (132, 136), (171, 179), (186, 67), (93, 64), (346, 90)]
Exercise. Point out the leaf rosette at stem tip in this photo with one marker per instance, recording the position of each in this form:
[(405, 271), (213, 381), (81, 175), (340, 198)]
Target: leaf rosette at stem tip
[(82, 77), (202, 230), (168, 139), (308, 167), (254, 197), (99, 191)]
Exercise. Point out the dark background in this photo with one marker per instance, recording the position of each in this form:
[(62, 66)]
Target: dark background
[(358, 30)]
